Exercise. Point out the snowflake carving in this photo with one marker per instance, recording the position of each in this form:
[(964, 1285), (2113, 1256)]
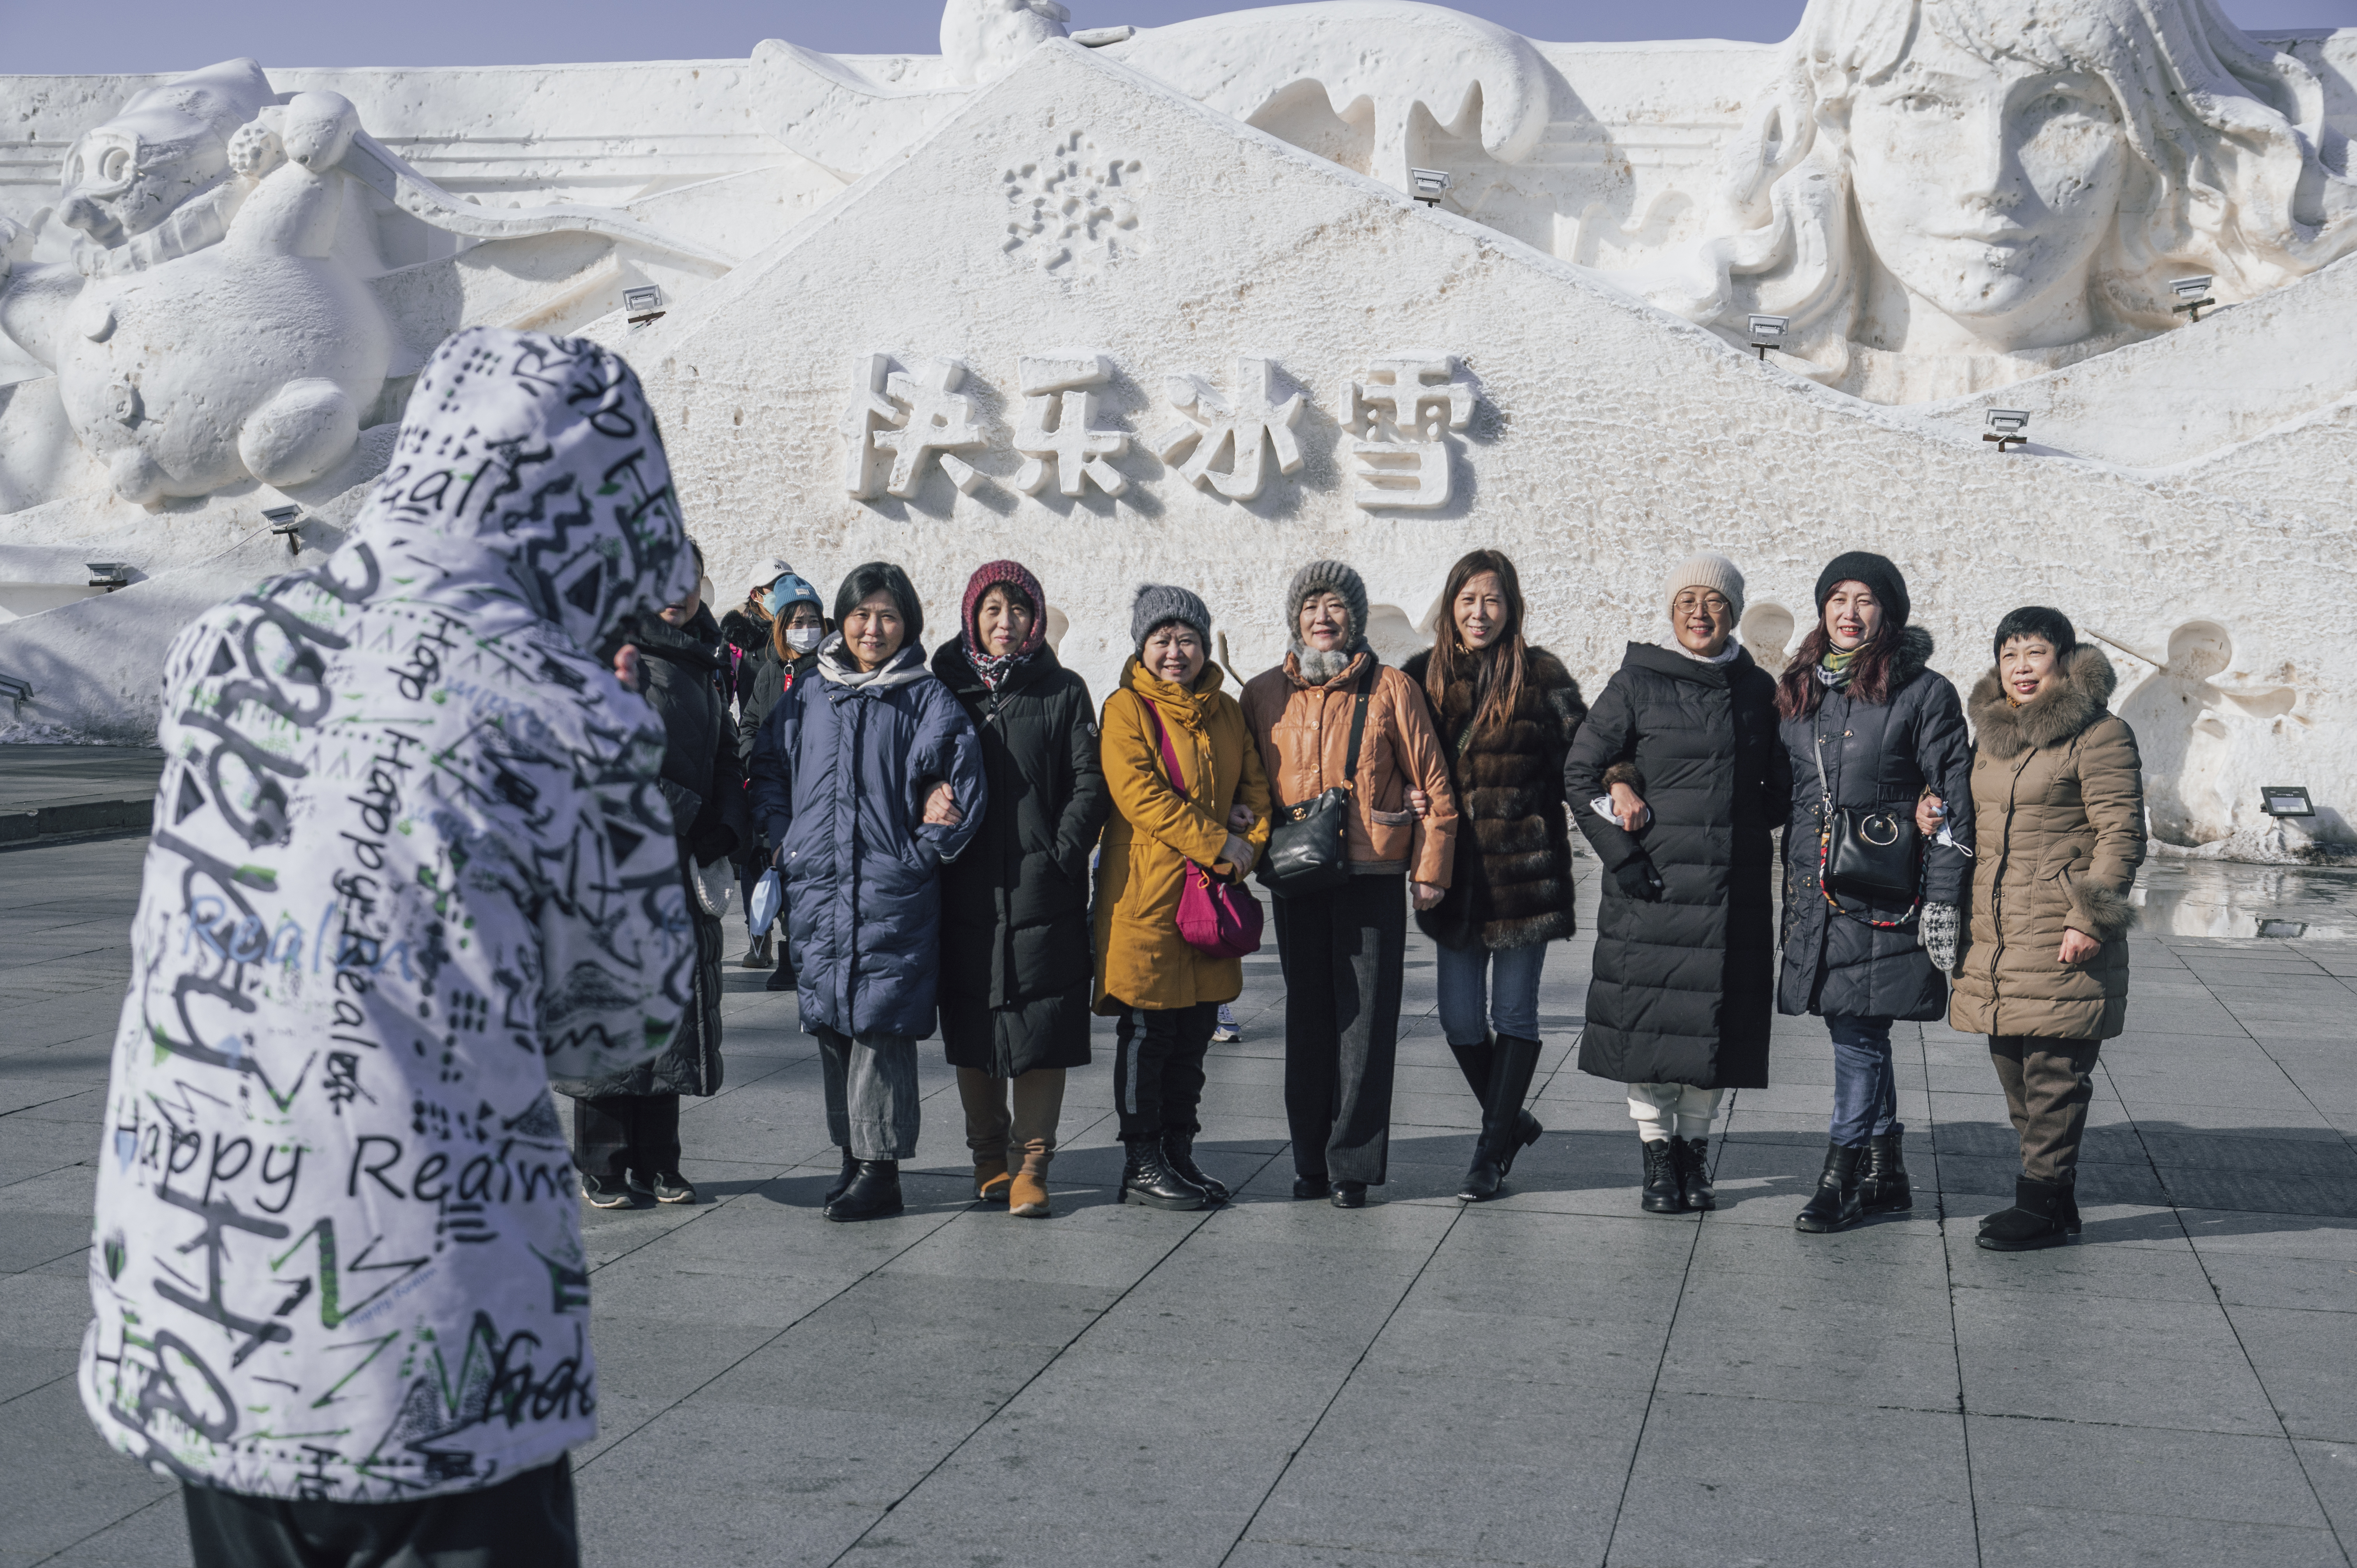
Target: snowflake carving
[(1075, 209)]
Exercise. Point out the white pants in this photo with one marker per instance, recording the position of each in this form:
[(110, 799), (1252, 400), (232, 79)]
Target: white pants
[(1672, 1110)]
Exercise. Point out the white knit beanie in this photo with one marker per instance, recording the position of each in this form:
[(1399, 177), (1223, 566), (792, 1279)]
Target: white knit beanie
[(1707, 569)]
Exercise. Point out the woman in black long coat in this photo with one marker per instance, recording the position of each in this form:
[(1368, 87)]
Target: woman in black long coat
[(1016, 955), (626, 1127), (1683, 742), (1858, 696)]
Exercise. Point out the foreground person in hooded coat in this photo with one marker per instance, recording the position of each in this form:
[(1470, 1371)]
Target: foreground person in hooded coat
[(626, 1125), (1506, 712), (410, 858), (1870, 729), (869, 780), (2057, 793), (1683, 741), (1014, 906)]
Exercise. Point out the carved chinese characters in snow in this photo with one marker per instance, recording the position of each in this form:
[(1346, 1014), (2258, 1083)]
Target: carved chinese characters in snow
[(1246, 426), (1058, 430), (1405, 399), (939, 420)]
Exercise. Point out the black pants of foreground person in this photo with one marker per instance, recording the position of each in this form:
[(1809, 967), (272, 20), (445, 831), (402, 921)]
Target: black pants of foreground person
[(524, 1522), (1341, 953), (1158, 1068), (614, 1134)]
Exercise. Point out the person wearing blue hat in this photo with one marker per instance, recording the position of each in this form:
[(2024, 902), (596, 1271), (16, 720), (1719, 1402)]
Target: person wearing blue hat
[(796, 626)]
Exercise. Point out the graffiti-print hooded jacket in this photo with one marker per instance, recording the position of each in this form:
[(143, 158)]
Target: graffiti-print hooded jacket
[(409, 859)]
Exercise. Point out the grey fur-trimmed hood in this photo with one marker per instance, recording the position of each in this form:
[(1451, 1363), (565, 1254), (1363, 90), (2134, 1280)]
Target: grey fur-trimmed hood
[(2002, 730)]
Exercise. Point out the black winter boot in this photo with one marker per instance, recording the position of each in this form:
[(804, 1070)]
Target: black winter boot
[(1834, 1206), (1179, 1153), (1148, 1180), (873, 1192), (1882, 1185), (1512, 1063), (843, 1178), (1665, 1194), (2069, 1211), (1691, 1156), (2035, 1220), (1479, 1064)]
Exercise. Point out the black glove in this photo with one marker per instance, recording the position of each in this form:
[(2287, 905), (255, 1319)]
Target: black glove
[(1637, 879)]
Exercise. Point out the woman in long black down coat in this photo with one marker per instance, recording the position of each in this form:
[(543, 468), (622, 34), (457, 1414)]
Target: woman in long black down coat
[(1016, 955), (1684, 741)]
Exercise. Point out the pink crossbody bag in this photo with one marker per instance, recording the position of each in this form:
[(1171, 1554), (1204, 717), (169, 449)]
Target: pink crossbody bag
[(1217, 919)]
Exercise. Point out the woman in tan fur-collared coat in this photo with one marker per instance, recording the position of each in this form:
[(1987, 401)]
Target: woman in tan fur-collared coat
[(2058, 803)]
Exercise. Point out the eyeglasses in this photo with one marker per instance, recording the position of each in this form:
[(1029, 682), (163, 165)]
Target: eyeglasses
[(1715, 603)]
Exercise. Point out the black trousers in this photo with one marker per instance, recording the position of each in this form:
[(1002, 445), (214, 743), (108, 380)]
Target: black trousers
[(525, 1521), (614, 1134), (1341, 953), (1158, 1068)]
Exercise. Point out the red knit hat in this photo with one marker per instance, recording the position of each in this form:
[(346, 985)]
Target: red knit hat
[(1015, 576)]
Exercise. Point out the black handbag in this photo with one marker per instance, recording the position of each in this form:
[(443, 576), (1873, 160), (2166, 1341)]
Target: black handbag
[(1309, 847), (1869, 852)]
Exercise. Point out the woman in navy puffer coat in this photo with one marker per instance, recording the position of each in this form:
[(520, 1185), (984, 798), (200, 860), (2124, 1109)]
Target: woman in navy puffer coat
[(869, 780)]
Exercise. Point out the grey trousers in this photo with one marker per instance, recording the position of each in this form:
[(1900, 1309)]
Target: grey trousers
[(2048, 1084), (1341, 954), (871, 1093)]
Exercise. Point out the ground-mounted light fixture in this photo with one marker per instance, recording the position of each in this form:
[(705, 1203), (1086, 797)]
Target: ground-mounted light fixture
[(18, 694), (642, 304), (2192, 295), (2005, 426), (1428, 184), (2289, 930), (109, 575), (1769, 332), (2280, 800), (286, 521)]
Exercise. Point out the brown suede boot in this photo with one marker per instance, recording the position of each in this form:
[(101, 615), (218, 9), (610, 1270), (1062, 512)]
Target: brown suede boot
[(1029, 1194), (990, 1178)]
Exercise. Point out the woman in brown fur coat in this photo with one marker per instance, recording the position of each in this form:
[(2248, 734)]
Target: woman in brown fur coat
[(1506, 712)]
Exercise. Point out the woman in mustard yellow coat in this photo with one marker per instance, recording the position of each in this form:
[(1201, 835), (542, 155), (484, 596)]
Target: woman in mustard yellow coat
[(1166, 993)]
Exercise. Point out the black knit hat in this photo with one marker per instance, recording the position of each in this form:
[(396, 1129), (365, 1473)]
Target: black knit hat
[(1877, 572), (2035, 620)]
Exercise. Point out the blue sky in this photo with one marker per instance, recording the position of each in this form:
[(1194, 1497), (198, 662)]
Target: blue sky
[(38, 36)]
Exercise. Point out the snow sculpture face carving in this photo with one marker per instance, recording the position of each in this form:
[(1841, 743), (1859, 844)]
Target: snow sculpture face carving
[(1948, 195)]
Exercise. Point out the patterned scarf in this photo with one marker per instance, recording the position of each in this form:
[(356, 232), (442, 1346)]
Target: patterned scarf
[(1834, 669), (994, 668)]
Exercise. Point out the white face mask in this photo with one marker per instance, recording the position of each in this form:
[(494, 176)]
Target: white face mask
[(803, 639)]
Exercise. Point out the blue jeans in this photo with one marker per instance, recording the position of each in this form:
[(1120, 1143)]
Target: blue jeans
[(1512, 981), (1866, 1092)]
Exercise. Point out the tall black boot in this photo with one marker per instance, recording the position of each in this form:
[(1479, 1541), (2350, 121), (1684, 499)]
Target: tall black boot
[(873, 1192), (1148, 1180), (1477, 1063), (1513, 1064), (1692, 1159), (1179, 1153), (1882, 1185), (842, 1181), (1834, 1206), (1663, 1193), (2035, 1220)]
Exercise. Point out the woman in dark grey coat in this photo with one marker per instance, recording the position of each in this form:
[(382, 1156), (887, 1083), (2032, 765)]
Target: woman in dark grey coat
[(1683, 741), (1858, 701), (626, 1128), (788, 652), (1016, 958)]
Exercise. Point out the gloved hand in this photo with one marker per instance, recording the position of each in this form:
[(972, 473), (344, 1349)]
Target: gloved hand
[(1942, 928), (1637, 879)]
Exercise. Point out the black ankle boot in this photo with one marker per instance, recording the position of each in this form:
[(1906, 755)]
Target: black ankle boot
[(2068, 1211), (1834, 1206), (2035, 1220), (1148, 1180), (873, 1192), (843, 1178), (1882, 1185), (1664, 1192), (1179, 1153), (1692, 1159)]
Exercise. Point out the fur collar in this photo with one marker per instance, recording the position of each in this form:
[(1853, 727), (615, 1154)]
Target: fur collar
[(2054, 716), (1912, 657)]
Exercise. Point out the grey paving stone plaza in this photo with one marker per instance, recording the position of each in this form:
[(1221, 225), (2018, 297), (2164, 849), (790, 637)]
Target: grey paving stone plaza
[(1553, 1377)]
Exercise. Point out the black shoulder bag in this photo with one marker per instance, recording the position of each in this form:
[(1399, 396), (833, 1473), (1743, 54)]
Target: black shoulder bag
[(1868, 854), (1309, 848)]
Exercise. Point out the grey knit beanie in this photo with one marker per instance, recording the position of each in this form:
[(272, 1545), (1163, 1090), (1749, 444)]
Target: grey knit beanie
[(1159, 604), (1326, 577), (1707, 569)]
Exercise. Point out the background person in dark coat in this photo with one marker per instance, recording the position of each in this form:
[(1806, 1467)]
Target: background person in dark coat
[(1506, 712), (1016, 962), (796, 626), (1890, 728), (869, 780), (1684, 740), (626, 1127)]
